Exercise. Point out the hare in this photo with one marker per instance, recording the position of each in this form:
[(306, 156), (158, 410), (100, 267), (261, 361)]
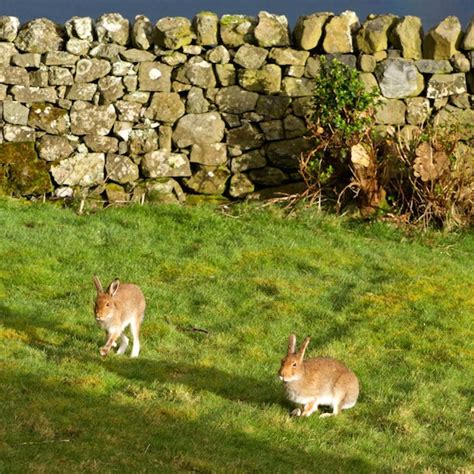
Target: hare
[(317, 381), (123, 304)]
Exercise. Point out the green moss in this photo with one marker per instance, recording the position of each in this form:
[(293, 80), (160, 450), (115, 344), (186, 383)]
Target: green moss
[(232, 20), (21, 172)]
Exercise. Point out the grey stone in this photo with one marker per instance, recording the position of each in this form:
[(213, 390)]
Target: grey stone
[(7, 50), (163, 163), (460, 100), (121, 169), (266, 80), (309, 29), (142, 141), (78, 47), (163, 190), (297, 87), (165, 107), (18, 133), (198, 129), (312, 67), (9, 26), (214, 154), (174, 32), (154, 77), (81, 169), (390, 112), (89, 119), (373, 36), (15, 113), (109, 51), (236, 30), (218, 55), (54, 148), (122, 68), (60, 76), (248, 161), (367, 63), (128, 111), (460, 63), (273, 130), (399, 78), (137, 56), (418, 110), (173, 58), (272, 107), (196, 103), (272, 30), (111, 88), (60, 58), (208, 180), (268, 176), (101, 144), (235, 100), (142, 34), (165, 134), (116, 194), (348, 59), (206, 26), (27, 94), (81, 28), (240, 185), (369, 81), (80, 91), (286, 153), (407, 36), (250, 57), (52, 120), (468, 40), (442, 41), (288, 56), (39, 78), (338, 35), (246, 137), (198, 72), (432, 66), (26, 60), (453, 116), (444, 85), (113, 28), (89, 70), (40, 36), (225, 74), (13, 75), (294, 127)]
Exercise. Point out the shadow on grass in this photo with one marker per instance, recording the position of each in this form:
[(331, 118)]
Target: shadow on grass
[(105, 434)]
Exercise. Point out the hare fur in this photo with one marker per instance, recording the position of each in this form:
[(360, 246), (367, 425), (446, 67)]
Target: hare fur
[(122, 305), (317, 381)]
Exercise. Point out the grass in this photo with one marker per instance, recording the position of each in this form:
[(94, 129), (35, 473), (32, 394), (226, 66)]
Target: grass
[(396, 308)]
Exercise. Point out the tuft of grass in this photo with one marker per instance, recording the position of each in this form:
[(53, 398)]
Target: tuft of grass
[(223, 293)]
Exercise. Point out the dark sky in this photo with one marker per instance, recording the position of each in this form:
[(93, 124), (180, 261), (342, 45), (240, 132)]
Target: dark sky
[(430, 11)]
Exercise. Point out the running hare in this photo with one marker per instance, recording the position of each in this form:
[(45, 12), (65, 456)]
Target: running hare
[(123, 304), (317, 381)]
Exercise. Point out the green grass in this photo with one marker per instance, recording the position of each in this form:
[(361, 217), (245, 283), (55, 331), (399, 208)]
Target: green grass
[(396, 308)]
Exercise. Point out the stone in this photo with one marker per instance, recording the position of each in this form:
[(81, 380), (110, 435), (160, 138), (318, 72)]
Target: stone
[(349, 60), (278, 191), (78, 47), (312, 68), (444, 85), (431, 66), (142, 141), (122, 68), (121, 169), (294, 127), (455, 117), (338, 35), (15, 113), (81, 28), (165, 107), (89, 119), (109, 51), (218, 55), (128, 111), (81, 91), (18, 133), (136, 56), (113, 28), (101, 144), (9, 26), (272, 107), (418, 110), (248, 161), (34, 94), (468, 39), (235, 30), (39, 78), (266, 80), (60, 76), (309, 29), (174, 32), (196, 103), (225, 74), (60, 58), (7, 50), (21, 172), (26, 60), (442, 41), (273, 130), (460, 63), (286, 153), (89, 70), (288, 56), (164, 164), (250, 57), (13, 75), (369, 81), (52, 120), (111, 89), (154, 77), (245, 137), (163, 190), (81, 169), (374, 33), (272, 30), (390, 112), (54, 148), (198, 129), (297, 87), (399, 78), (142, 33), (40, 36), (240, 185), (198, 72), (214, 154), (460, 100), (206, 26), (235, 100), (208, 180), (116, 194), (407, 36), (268, 176)]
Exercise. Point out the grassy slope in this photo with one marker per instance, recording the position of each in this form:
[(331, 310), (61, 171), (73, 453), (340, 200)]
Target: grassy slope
[(396, 310)]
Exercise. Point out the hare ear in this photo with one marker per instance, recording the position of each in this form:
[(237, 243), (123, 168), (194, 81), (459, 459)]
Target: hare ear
[(114, 286), (98, 284), (292, 344), (303, 347)]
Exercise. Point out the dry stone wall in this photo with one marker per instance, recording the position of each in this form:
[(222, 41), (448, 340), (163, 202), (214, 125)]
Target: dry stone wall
[(212, 106)]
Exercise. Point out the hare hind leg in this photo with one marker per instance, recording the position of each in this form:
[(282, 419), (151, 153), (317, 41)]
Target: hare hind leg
[(135, 328), (123, 345)]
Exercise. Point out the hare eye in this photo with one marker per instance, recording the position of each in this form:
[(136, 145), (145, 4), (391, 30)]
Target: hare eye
[(107, 304), (293, 364)]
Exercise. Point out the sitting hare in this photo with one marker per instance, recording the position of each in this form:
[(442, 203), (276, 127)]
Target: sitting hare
[(317, 381), (123, 304)]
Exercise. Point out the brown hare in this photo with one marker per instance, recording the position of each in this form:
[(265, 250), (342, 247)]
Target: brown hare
[(317, 381), (122, 305)]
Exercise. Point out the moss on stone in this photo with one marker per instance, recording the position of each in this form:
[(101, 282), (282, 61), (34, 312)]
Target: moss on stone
[(21, 172)]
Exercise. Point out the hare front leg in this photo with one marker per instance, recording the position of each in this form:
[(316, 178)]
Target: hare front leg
[(309, 408), (112, 337)]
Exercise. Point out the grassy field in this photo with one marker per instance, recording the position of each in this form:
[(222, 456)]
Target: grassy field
[(396, 308)]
